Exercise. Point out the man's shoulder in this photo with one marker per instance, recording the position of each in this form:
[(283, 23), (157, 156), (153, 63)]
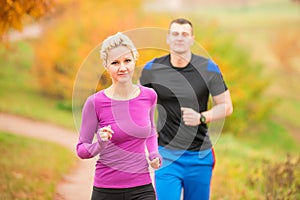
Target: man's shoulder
[(198, 60), (159, 60), (204, 63), (162, 59)]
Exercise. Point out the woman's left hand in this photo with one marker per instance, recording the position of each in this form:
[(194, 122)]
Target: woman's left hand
[(155, 163)]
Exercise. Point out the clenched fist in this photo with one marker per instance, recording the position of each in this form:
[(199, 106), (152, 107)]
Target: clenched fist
[(155, 163), (105, 133), (190, 117)]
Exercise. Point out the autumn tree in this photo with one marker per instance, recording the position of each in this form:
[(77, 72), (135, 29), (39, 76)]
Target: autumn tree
[(67, 43), (73, 33), (12, 12)]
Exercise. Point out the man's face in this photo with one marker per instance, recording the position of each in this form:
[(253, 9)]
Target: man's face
[(180, 38)]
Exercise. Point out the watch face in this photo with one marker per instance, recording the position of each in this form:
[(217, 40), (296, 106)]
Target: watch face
[(202, 119)]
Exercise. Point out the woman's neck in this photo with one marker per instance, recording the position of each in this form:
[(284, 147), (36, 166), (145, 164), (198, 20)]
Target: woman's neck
[(122, 91)]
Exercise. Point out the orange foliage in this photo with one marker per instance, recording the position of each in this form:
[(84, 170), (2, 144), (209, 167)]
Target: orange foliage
[(286, 47), (75, 32), (13, 11)]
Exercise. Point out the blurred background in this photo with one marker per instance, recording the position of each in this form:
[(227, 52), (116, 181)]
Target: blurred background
[(256, 44)]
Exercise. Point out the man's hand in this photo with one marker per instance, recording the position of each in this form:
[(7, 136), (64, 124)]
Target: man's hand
[(190, 117)]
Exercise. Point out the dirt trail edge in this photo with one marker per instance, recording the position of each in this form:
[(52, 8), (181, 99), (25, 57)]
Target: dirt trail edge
[(78, 184)]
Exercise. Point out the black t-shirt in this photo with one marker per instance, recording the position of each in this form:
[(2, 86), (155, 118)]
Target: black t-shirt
[(182, 87)]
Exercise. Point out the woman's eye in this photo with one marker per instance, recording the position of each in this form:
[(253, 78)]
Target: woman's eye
[(128, 60), (114, 63)]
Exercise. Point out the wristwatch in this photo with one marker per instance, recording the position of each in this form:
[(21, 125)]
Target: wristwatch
[(202, 119)]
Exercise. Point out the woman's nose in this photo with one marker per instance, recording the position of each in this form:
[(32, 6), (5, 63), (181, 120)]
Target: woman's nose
[(122, 66)]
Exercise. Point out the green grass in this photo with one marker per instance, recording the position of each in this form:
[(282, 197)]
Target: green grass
[(275, 138), (30, 168), (243, 162), (19, 92), (234, 159)]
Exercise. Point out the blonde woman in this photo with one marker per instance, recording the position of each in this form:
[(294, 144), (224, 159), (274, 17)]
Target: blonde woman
[(122, 118)]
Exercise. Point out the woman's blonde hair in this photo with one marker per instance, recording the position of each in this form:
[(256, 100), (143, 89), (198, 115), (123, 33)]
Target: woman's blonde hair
[(113, 41)]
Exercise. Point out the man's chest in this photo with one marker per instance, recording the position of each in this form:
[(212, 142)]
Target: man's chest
[(170, 83)]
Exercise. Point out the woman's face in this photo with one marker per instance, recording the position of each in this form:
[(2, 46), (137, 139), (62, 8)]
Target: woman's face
[(120, 64)]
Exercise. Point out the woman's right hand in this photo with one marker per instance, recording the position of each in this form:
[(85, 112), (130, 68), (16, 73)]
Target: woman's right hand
[(105, 133), (155, 163)]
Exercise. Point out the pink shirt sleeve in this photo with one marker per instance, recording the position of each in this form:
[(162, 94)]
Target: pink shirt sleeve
[(86, 146), (151, 141)]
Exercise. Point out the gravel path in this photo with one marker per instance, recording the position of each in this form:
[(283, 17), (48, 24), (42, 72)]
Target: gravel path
[(78, 184)]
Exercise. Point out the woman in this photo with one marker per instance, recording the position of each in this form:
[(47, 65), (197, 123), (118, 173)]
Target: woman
[(123, 114)]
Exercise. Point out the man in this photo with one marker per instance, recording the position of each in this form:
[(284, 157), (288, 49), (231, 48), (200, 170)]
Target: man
[(183, 82)]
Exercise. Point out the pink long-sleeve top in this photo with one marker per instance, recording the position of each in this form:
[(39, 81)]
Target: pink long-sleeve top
[(122, 161)]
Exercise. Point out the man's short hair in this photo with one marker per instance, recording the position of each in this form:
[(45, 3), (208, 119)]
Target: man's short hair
[(181, 21)]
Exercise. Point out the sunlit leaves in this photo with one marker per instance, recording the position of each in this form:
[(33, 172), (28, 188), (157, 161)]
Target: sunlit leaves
[(12, 12), (75, 31)]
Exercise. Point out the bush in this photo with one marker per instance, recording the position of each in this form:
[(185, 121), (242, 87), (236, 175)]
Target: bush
[(245, 79), (283, 179), (279, 181)]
